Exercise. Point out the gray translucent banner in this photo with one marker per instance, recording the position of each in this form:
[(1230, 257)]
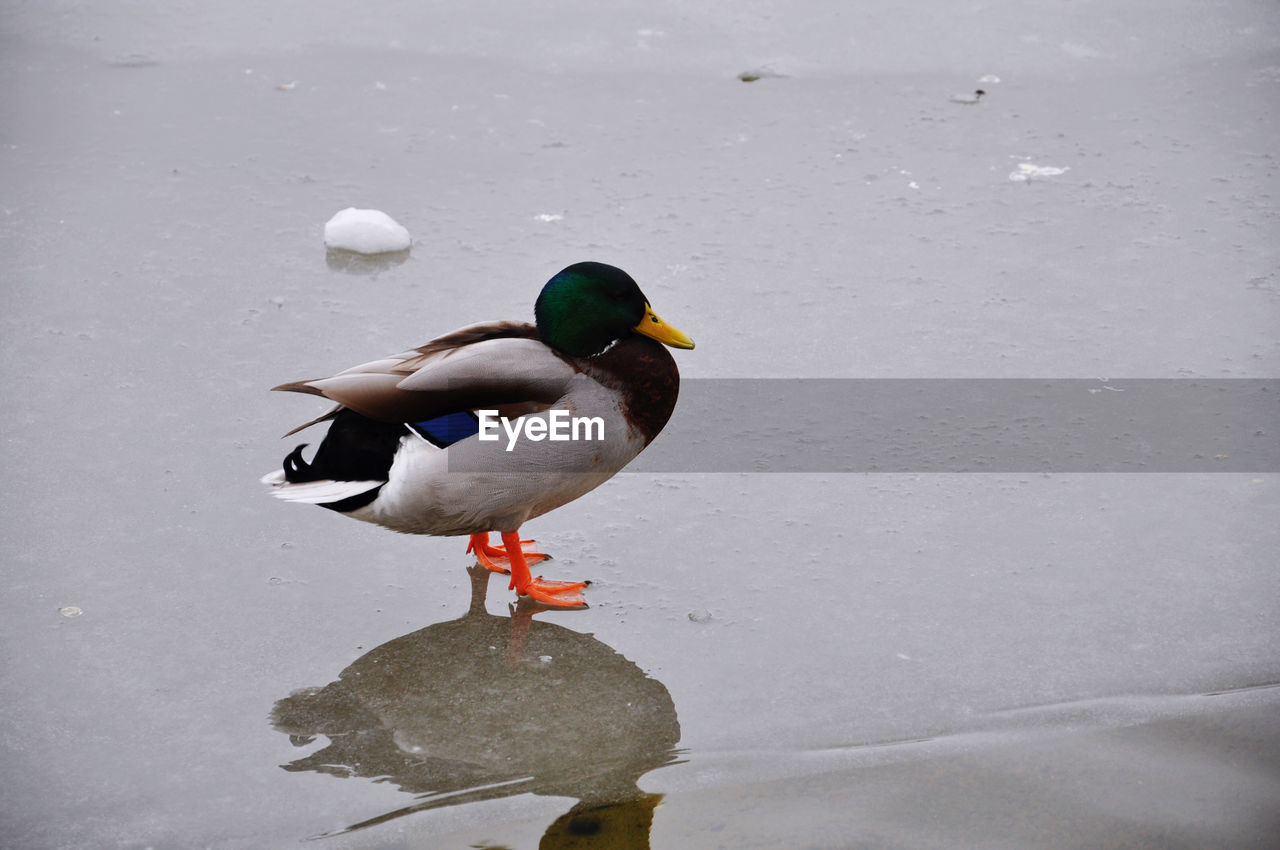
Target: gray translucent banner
[(950, 425), (966, 425)]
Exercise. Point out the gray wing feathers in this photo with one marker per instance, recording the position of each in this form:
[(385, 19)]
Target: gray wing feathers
[(495, 365)]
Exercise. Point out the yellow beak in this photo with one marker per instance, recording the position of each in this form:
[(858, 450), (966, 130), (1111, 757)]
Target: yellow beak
[(654, 328)]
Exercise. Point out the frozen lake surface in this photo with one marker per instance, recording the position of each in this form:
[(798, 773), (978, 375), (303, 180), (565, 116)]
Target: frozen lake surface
[(915, 658)]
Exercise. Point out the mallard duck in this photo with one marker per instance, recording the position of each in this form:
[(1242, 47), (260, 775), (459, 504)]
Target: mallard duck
[(414, 443)]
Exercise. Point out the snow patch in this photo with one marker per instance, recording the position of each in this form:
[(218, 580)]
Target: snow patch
[(1028, 170), (365, 232)]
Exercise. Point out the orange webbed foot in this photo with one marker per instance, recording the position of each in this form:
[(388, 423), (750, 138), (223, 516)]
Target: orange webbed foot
[(553, 594), (496, 559), (557, 594)]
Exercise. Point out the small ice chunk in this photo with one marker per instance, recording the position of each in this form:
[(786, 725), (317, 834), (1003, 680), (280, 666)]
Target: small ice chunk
[(70, 611), (968, 99), (366, 232), (1028, 170)]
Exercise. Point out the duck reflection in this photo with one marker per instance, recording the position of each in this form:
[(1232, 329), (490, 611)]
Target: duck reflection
[(485, 707)]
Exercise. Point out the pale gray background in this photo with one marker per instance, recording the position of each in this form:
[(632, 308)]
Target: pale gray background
[(167, 169)]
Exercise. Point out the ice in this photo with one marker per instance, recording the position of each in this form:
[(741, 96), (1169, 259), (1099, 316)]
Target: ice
[(905, 658), (366, 232), (1027, 170)]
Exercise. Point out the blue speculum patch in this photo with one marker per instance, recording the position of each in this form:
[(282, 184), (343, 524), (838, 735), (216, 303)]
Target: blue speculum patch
[(446, 430)]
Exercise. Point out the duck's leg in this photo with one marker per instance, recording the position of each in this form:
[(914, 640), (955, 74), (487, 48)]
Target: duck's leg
[(560, 594), (495, 557)]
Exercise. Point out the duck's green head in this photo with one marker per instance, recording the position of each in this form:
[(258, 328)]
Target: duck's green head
[(586, 307)]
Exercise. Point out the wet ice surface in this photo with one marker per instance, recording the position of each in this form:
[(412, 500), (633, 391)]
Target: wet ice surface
[(897, 660)]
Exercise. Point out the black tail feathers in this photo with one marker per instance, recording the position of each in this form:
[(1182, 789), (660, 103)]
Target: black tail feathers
[(296, 468), (356, 448)]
